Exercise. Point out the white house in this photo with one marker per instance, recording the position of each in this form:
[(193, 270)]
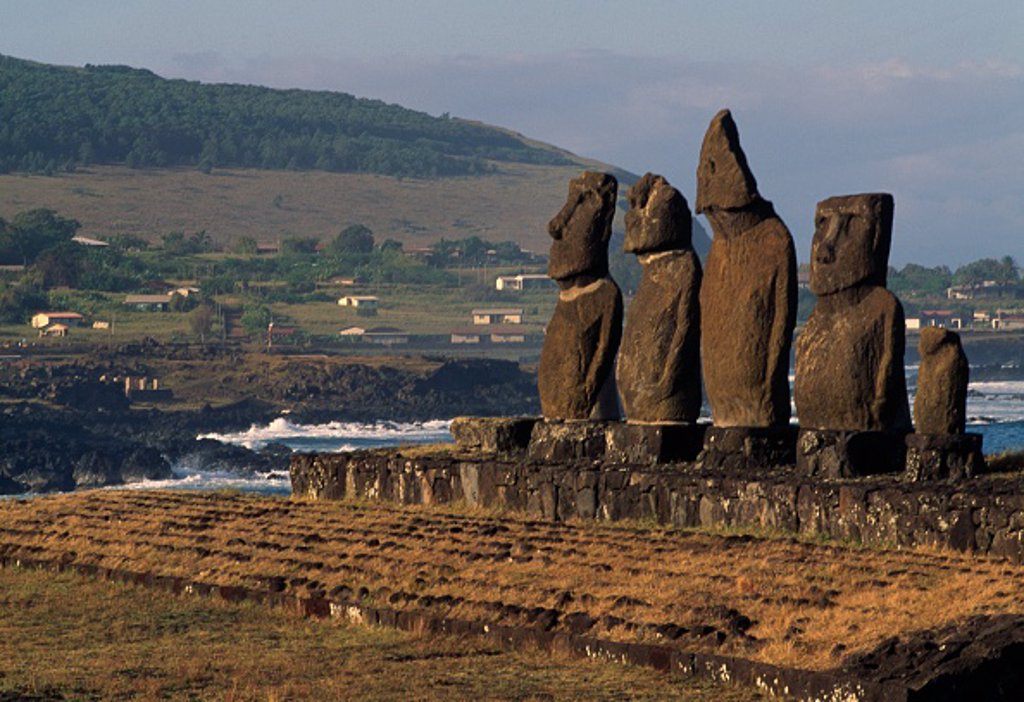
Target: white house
[(41, 320), (498, 315), (523, 281), (465, 336), (148, 302), (364, 301)]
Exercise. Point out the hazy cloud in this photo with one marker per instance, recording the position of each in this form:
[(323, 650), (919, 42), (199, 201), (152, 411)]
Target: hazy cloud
[(946, 140)]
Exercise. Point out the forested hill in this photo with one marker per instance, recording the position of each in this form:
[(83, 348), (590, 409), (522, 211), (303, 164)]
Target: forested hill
[(56, 118)]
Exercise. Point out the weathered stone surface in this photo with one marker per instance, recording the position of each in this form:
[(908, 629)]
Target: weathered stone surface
[(554, 441), (852, 237), (748, 293), (944, 456), (748, 448), (653, 443), (576, 378), (940, 405), (658, 371), (492, 434), (849, 357), (848, 454), (582, 228)]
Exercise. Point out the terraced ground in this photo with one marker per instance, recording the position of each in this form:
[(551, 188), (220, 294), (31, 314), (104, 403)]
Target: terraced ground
[(774, 600)]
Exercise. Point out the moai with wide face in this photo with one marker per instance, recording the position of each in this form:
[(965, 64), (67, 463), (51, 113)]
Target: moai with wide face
[(850, 390), (941, 448), (659, 364), (748, 307), (576, 374)]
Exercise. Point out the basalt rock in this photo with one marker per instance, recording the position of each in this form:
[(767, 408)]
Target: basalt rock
[(748, 294), (575, 377), (940, 406), (659, 363)]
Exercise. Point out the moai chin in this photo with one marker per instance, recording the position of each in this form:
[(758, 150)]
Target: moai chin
[(941, 447), (575, 377), (748, 295), (658, 370), (850, 390)]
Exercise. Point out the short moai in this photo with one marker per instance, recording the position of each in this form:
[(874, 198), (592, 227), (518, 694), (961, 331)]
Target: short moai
[(850, 389), (748, 309), (576, 374), (940, 446), (658, 371)]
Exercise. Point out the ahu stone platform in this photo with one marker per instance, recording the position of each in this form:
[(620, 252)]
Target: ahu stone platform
[(984, 514)]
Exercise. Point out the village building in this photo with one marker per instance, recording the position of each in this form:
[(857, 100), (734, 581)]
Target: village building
[(523, 281), (41, 320), (986, 290), (1007, 320), (148, 302), (352, 332), (948, 319), (86, 241), (498, 315), (465, 335), (184, 291), (363, 301), (385, 336), (507, 335), (54, 330)]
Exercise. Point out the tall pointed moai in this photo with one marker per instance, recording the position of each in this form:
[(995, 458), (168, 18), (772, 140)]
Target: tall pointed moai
[(941, 448), (659, 363), (576, 374), (850, 389), (748, 307)]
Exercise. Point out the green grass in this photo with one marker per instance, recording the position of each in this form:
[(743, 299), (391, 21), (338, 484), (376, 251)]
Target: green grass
[(67, 637)]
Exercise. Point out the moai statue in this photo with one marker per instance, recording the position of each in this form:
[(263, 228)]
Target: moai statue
[(850, 390), (748, 308), (941, 448), (659, 364), (576, 375)]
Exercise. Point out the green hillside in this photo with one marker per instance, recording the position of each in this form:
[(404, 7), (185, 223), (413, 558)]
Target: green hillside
[(57, 118)]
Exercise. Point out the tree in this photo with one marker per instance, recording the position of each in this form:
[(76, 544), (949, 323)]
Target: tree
[(356, 238), (244, 245), (200, 321), (1001, 271), (255, 318), (299, 245), (32, 232), (391, 245)]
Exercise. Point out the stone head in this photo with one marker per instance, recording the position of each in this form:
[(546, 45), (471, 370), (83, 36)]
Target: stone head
[(582, 228), (852, 234), (724, 180), (658, 218), (935, 339)]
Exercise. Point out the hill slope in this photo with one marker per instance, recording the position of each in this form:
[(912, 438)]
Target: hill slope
[(55, 116)]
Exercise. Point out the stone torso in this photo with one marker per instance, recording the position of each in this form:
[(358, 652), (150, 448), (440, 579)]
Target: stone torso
[(849, 367), (748, 309), (659, 364), (575, 378)]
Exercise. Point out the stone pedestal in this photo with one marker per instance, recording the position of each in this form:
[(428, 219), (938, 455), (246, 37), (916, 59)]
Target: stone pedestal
[(505, 435), (553, 441), (653, 443), (848, 454), (943, 456), (748, 448)]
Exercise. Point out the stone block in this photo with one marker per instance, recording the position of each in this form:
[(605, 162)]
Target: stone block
[(556, 442), (943, 456), (653, 443), (747, 448), (848, 454), (492, 434)]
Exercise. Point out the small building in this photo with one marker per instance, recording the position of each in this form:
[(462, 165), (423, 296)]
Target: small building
[(101, 324), (364, 301), (86, 241), (342, 281), (986, 290), (507, 335), (350, 332), (148, 302), (385, 336), (941, 318), (465, 336), (184, 291), (523, 281), (265, 249), (1007, 321), (41, 320), (54, 330), (498, 315)]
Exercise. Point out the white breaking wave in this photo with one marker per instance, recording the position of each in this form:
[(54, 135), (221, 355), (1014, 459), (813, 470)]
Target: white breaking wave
[(283, 429), (186, 478)]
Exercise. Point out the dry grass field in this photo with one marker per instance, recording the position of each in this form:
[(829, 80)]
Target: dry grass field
[(775, 600), (64, 637), (513, 204)]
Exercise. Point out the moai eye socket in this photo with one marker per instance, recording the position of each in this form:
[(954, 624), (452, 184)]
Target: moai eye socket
[(711, 166)]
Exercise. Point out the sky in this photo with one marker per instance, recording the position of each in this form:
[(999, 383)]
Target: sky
[(920, 98)]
